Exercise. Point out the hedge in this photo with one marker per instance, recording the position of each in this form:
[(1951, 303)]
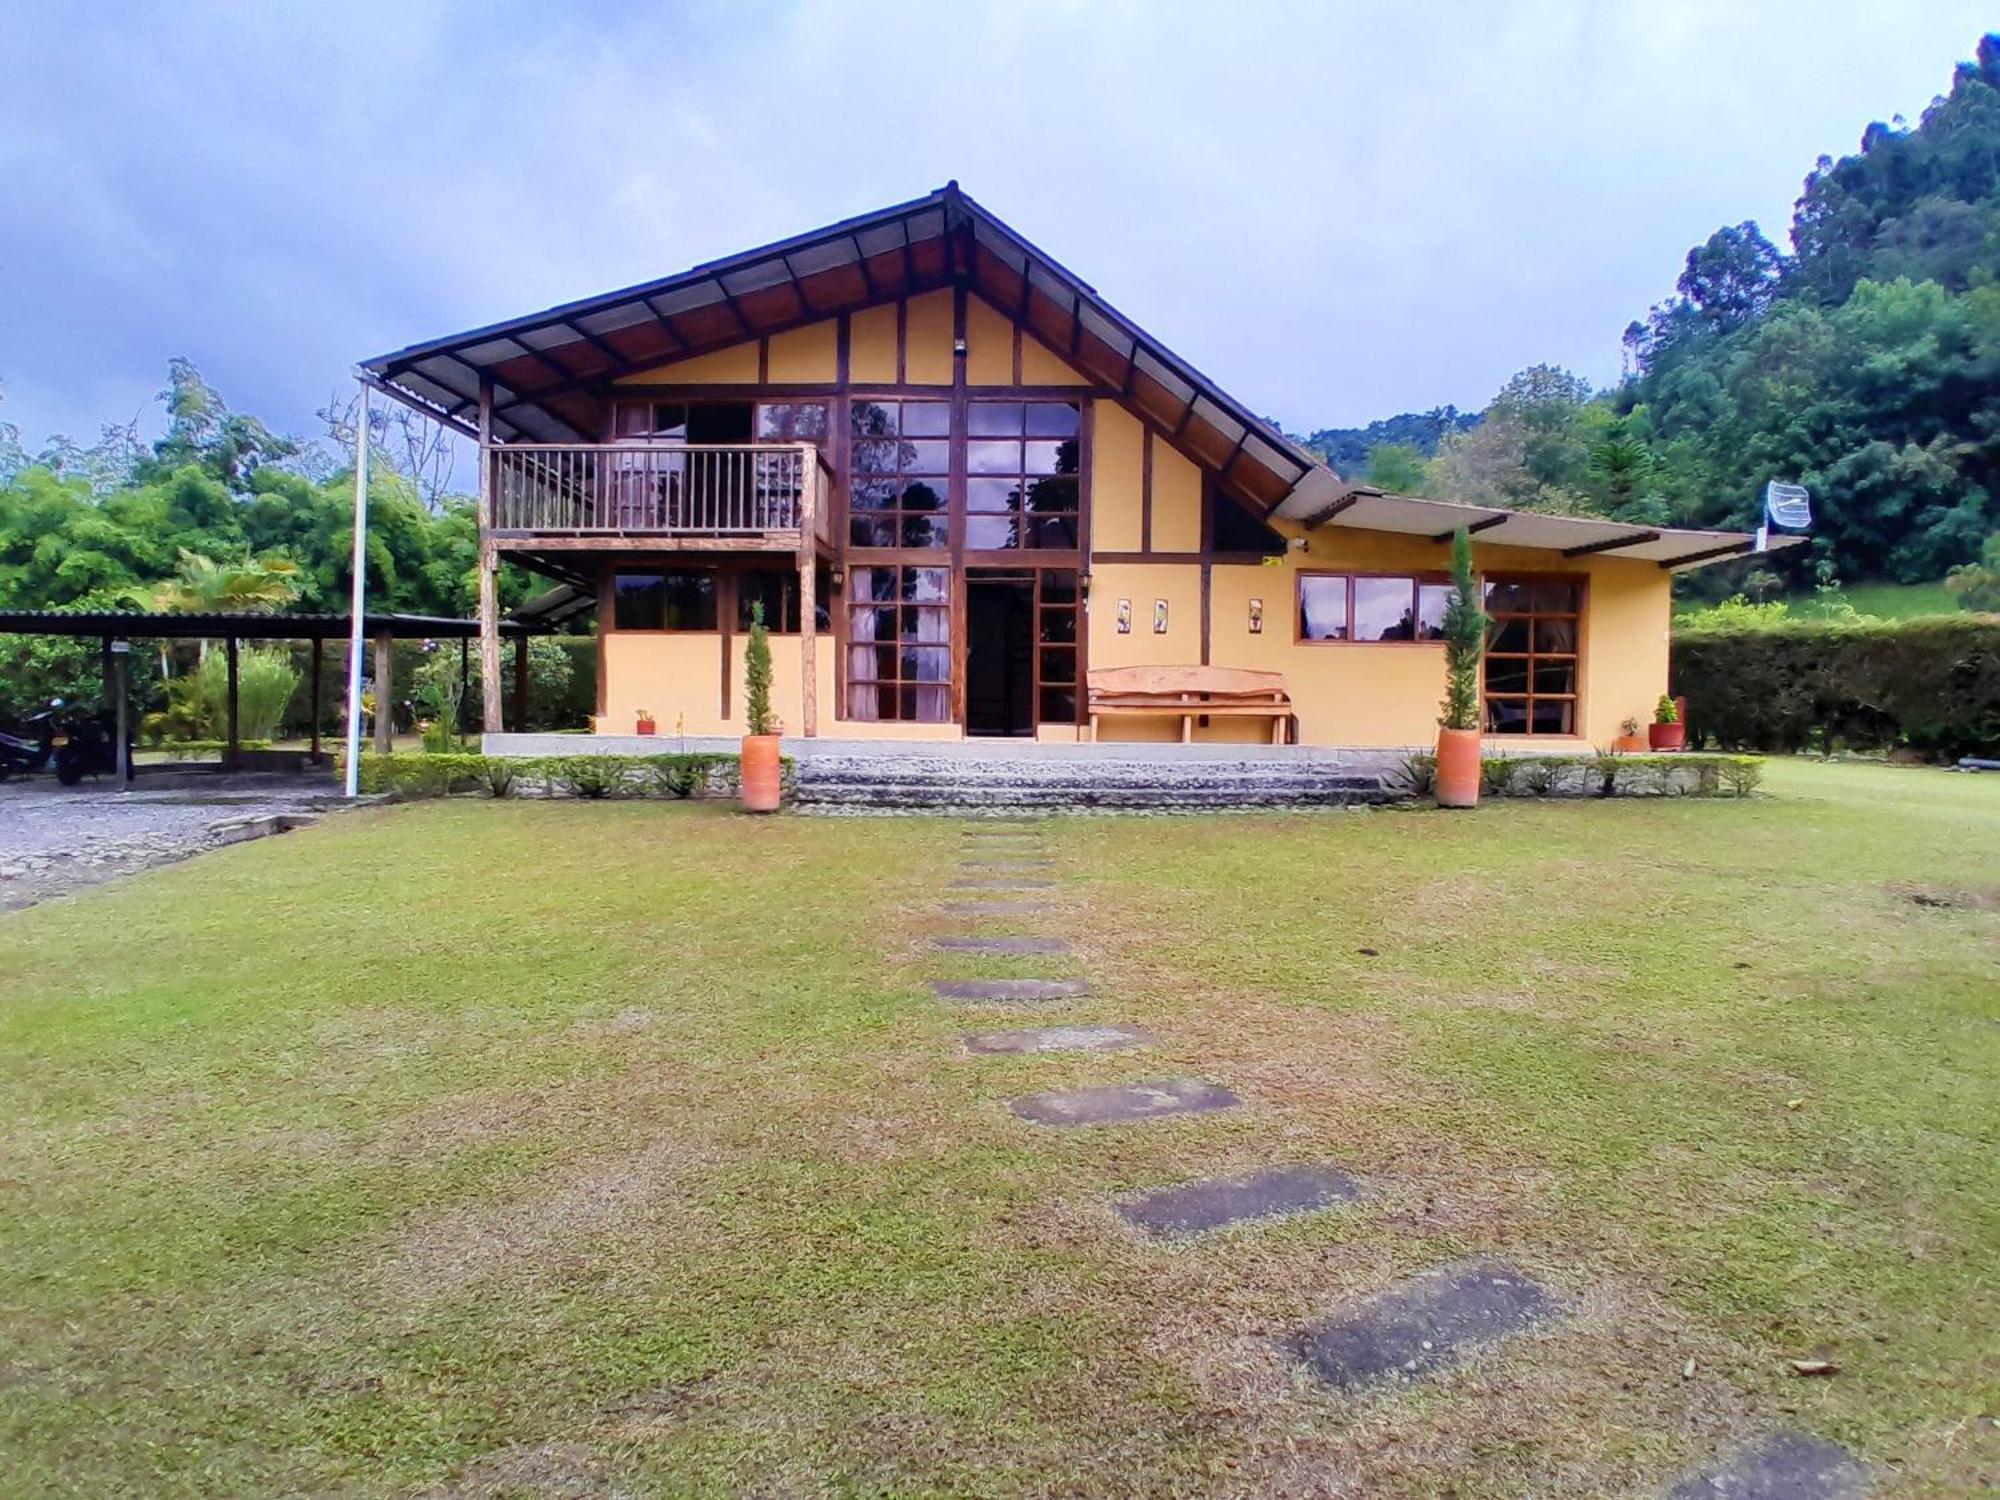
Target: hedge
[(1929, 684), (692, 774), (1607, 775)]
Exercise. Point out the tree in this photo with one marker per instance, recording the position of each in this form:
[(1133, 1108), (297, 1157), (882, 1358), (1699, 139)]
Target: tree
[(757, 676), (1977, 585), (1465, 623), (202, 585), (1732, 276), (1396, 468)]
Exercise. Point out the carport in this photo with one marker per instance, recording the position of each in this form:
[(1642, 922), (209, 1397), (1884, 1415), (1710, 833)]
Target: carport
[(111, 626)]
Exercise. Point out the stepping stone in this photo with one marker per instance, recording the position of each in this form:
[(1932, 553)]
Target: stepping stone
[(1012, 866), (996, 908), (1272, 1193), (1783, 1466), (1002, 885), (1115, 1104), (1058, 1039), (1424, 1324), (1010, 991), (1001, 944)]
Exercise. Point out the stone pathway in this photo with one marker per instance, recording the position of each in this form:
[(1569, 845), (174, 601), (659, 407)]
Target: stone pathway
[(1423, 1325)]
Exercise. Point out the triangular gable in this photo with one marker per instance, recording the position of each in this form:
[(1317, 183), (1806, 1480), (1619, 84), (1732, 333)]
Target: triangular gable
[(548, 371)]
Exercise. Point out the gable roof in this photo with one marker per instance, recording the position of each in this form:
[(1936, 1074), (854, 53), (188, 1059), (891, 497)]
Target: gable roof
[(550, 370)]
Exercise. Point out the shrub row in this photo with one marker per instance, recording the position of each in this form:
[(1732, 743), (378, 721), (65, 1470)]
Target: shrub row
[(189, 749), (690, 774), (1932, 685), (1677, 775)]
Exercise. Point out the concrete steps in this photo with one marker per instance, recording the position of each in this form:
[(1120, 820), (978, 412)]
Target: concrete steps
[(902, 781)]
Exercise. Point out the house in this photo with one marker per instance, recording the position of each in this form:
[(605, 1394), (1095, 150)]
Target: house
[(963, 488)]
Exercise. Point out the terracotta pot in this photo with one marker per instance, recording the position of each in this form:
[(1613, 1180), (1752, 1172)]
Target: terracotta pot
[(1458, 768), (647, 726), (1631, 744), (762, 789), (1666, 736)]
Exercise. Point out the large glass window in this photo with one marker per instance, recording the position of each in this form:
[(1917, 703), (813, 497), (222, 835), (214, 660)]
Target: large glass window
[(901, 481), (899, 644), (792, 422), (777, 589), (1371, 607), (682, 599), (685, 421), (1533, 655), (1055, 645), (1021, 475)]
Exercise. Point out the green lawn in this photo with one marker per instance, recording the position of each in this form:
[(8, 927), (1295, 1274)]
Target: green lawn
[(567, 1148)]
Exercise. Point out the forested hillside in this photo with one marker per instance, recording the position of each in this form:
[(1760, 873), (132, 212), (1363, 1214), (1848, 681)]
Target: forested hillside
[(1863, 362)]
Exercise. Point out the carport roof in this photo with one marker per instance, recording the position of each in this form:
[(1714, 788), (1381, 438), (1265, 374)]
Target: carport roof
[(160, 625)]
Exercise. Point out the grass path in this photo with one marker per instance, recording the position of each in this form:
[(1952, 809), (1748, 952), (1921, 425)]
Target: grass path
[(522, 1147)]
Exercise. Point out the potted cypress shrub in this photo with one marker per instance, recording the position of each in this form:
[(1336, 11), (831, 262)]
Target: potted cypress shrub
[(759, 765), (1464, 647), (1666, 732)]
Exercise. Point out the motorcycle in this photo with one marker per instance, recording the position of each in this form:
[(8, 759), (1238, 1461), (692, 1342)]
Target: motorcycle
[(86, 746), (32, 748)]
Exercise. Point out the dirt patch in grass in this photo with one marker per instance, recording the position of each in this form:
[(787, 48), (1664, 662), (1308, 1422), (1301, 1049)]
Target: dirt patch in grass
[(1950, 898), (549, 1471)]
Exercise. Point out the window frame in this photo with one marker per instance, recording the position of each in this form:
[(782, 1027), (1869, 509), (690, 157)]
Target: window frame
[(1419, 580), (1021, 439), (717, 582), (1580, 582), (946, 516), (948, 607)]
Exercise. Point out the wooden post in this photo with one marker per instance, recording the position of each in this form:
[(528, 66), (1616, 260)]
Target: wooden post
[(521, 683), (808, 591), (318, 644), (385, 692), (489, 565), (233, 756)]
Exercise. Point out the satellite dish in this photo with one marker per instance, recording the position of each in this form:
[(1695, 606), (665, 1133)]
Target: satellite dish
[(1786, 505)]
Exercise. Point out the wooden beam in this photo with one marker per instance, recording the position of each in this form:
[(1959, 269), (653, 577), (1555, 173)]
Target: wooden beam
[(385, 692), (809, 503), (489, 569), (521, 683), (317, 645), (1630, 539), (1475, 527), (1332, 508), (1694, 557), (232, 757)]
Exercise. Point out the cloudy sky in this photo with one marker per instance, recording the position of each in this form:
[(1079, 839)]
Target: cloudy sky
[(1340, 211)]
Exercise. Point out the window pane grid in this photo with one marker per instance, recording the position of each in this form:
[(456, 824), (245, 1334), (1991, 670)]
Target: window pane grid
[(1533, 658), (899, 644), (1022, 467), (1371, 608), (901, 465)]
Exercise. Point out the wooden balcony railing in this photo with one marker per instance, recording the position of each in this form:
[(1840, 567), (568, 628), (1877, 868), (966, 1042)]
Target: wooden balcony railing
[(749, 490)]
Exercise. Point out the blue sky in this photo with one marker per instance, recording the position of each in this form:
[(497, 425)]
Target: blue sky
[(1339, 210)]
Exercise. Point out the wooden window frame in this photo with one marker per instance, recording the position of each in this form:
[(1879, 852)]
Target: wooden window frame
[(724, 595), (867, 554), (965, 514), (1418, 580), (948, 606), (1580, 582)]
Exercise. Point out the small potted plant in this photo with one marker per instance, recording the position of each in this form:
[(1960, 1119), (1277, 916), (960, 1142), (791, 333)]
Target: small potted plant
[(1631, 738), (1666, 732), (1464, 646), (761, 790), (646, 722)]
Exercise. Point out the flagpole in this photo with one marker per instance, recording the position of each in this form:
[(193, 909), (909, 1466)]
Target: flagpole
[(356, 603)]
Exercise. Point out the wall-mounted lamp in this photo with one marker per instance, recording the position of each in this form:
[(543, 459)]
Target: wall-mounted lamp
[(958, 347), (1083, 584), (838, 577)]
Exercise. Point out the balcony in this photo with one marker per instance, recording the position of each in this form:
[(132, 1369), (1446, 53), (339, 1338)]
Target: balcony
[(756, 496)]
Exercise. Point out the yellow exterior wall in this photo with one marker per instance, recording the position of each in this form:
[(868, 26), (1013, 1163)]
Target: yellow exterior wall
[(927, 335), (1373, 694), (989, 345), (735, 365), (1042, 366), (1116, 478), (806, 356), (1176, 499), (871, 346)]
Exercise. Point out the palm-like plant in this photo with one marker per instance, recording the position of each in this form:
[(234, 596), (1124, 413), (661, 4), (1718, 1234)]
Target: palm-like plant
[(256, 585)]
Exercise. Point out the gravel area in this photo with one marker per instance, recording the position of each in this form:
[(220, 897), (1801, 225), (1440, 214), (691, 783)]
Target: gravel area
[(55, 839)]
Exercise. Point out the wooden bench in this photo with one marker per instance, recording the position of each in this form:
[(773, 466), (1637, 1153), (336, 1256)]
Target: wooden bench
[(1189, 693)]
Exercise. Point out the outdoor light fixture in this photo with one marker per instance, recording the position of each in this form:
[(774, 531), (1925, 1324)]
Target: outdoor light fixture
[(1083, 582), (839, 578), (958, 347)]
